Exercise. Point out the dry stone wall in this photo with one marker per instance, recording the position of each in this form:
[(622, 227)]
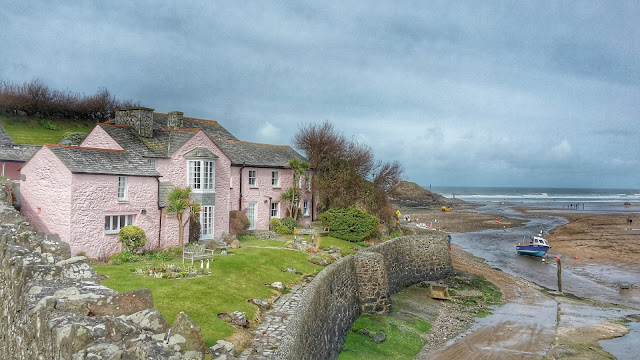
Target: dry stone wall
[(53, 306), (360, 283)]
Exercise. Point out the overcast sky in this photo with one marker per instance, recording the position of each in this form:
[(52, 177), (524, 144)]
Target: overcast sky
[(462, 93)]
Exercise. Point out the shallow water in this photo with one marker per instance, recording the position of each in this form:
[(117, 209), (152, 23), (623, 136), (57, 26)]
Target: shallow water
[(497, 247), (625, 347)]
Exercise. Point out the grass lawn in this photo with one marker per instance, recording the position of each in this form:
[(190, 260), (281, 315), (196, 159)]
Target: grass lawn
[(234, 279), (28, 130), (325, 241)]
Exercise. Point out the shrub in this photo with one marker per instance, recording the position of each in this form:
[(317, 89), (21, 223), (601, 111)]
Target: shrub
[(284, 230), (132, 238), (349, 223), (274, 224), (289, 222), (49, 125), (123, 257), (238, 222)]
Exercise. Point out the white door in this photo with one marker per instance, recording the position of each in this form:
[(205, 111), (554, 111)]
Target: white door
[(206, 222), (251, 214)]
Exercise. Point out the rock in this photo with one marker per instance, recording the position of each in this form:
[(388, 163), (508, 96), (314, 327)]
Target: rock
[(117, 329), (186, 334), (150, 320), (262, 303), (363, 331), (222, 348), (239, 318), (52, 244), (279, 286), (122, 304), (292, 270), (379, 337)]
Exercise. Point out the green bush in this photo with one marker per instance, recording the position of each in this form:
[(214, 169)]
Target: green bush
[(124, 257), (289, 222), (349, 224), (49, 125), (132, 238), (284, 230), (274, 224)]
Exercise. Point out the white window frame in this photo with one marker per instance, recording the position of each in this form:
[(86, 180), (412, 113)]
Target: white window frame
[(207, 221), (152, 162), (201, 175), (275, 178), (254, 183), (305, 208), (114, 223), (122, 188), (275, 209)]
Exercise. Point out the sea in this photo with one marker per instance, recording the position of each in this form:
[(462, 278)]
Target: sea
[(557, 199)]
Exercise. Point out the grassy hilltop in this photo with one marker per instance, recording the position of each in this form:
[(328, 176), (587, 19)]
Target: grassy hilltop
[(37, 131)]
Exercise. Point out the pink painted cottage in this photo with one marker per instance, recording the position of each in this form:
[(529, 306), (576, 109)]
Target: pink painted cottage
[(124, 169)]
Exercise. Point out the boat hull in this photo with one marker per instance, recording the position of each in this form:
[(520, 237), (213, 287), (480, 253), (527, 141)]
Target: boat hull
[(532, 250)]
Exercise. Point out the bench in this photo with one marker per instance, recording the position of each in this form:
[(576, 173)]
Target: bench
[(196, 252)]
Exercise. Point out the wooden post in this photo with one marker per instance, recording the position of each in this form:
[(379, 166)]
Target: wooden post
[(559, 274)]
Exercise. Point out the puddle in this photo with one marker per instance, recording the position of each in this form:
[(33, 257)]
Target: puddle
[(624, 347)]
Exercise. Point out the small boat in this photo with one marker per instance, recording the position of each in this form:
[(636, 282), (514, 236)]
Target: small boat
[(537, 246)]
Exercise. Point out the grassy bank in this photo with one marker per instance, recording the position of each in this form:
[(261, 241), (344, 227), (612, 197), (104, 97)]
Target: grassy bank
[(408, 326), (37, 131)]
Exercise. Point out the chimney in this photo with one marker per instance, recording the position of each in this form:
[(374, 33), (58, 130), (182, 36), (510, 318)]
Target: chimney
[(140, 118), (175, 120)]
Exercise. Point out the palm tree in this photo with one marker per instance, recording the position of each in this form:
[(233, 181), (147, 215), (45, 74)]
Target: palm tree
[(178, 202)]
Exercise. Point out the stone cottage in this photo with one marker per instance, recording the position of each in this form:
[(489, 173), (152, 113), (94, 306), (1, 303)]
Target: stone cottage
[(123, 170)]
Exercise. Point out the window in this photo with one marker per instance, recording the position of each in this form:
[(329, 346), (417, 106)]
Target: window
[(113, 223), (252, 178), (122, 188), (305, 208), (153, 163), (275, 179), (275, 209), (206, 222), (201, 175)]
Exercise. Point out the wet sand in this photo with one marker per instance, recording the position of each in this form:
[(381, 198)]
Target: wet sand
[(599, 238)]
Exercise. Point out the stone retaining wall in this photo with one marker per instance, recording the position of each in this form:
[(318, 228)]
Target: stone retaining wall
[(53, 306), (362, 282)]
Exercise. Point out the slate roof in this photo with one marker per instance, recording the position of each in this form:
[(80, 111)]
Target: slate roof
[(17, 153), (210, 127), (5, 139), (161, 145), (256, 154), (83, 160)]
